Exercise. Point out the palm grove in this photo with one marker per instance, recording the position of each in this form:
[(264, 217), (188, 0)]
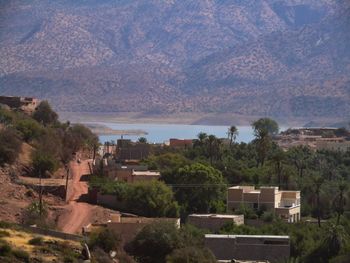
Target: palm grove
[(195, 180)]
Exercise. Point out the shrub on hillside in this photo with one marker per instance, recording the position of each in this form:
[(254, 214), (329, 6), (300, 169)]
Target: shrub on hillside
[(36, 241), (22, 255), (191, 255), (29, 129), (44, 114), (43, 163), (10, 145), (105, 239)]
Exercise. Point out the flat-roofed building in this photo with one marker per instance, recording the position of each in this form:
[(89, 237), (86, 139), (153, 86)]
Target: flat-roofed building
[(181, 143), (249, 247), (284, 204), (214, 222)]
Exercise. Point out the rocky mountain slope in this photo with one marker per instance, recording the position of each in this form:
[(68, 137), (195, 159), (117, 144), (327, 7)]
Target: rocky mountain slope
[(279, 58)]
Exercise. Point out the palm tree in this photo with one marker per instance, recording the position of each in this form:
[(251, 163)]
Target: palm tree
[(278, 159), (318, 182), (232, 134), (202, 136), (211, 144), (339, 201)]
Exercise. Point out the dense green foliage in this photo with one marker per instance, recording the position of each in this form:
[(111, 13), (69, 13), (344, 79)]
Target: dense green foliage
[(200, 188), (191, 255), (160, 239), (54, 142), (199, 177), (322, 176), (44, 114), (151, 198), (10, 145)]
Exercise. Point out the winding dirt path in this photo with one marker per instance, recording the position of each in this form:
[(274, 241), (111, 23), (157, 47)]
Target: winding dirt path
[(79, 213)]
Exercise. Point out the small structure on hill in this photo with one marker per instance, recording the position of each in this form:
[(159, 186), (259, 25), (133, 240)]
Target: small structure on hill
[(214, 222), (25, 104)]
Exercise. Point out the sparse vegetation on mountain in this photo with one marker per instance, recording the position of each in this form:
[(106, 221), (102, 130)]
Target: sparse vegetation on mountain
[(261, 58)]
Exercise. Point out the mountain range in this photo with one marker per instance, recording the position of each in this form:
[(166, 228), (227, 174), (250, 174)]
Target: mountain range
[(284, 59)]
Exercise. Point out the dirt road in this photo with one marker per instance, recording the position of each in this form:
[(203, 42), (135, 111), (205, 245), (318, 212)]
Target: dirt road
[(77, 213)]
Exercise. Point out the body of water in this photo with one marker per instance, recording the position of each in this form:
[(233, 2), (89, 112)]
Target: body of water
[(159, 133)]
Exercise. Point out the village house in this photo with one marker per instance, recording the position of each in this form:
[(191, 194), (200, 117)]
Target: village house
[(214, 222), (249, 247), (25, 104), (284, 204), (314, 138), (129, 172), (128, 227), (181, 143)]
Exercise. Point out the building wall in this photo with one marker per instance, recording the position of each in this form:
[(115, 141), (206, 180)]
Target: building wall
[(128, 228), (107, 200), (214, 223), (249, 249)]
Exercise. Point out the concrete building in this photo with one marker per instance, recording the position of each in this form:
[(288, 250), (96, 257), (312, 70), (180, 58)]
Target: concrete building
[(181, 143), (284, 204), (128, 227), (214, 222), (249, 247)]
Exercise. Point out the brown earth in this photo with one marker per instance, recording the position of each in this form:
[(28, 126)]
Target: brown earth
[(77, 214), (15, 197)]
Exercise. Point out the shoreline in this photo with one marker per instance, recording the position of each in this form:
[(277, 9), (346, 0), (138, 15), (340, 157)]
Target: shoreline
[(102, 130), (210, 119)]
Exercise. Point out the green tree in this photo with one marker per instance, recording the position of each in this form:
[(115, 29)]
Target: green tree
[(158, 240), (335, 240), (263, 130), (264, 127), (43, 163), (278, 159), (300, 157), (29, 128), (154, 242), (340, 200), (191, 255), (10, 145), (232, 134), (142, 140), (44, 114), (200, 188), (152, 199), (317, 184)]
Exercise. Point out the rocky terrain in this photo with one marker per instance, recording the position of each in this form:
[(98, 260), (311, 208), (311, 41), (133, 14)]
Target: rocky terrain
[(284, 59)]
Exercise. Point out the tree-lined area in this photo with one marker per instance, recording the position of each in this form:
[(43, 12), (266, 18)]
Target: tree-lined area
[(199, 177)]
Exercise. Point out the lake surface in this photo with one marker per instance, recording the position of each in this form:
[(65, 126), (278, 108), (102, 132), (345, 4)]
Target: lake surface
[(159, 133)]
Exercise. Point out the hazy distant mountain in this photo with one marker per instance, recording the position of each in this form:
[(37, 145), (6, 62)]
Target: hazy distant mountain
[(280, 58)]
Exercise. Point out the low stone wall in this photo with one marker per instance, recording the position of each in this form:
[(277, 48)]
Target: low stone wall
[(53, 233)]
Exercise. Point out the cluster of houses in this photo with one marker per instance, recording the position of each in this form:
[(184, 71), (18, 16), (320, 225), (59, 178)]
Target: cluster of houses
[(315, 139), (122, 163), (262, 248)]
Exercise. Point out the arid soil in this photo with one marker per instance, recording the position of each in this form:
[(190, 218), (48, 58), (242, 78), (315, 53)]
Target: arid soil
[(77, 213), (70, 218)]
